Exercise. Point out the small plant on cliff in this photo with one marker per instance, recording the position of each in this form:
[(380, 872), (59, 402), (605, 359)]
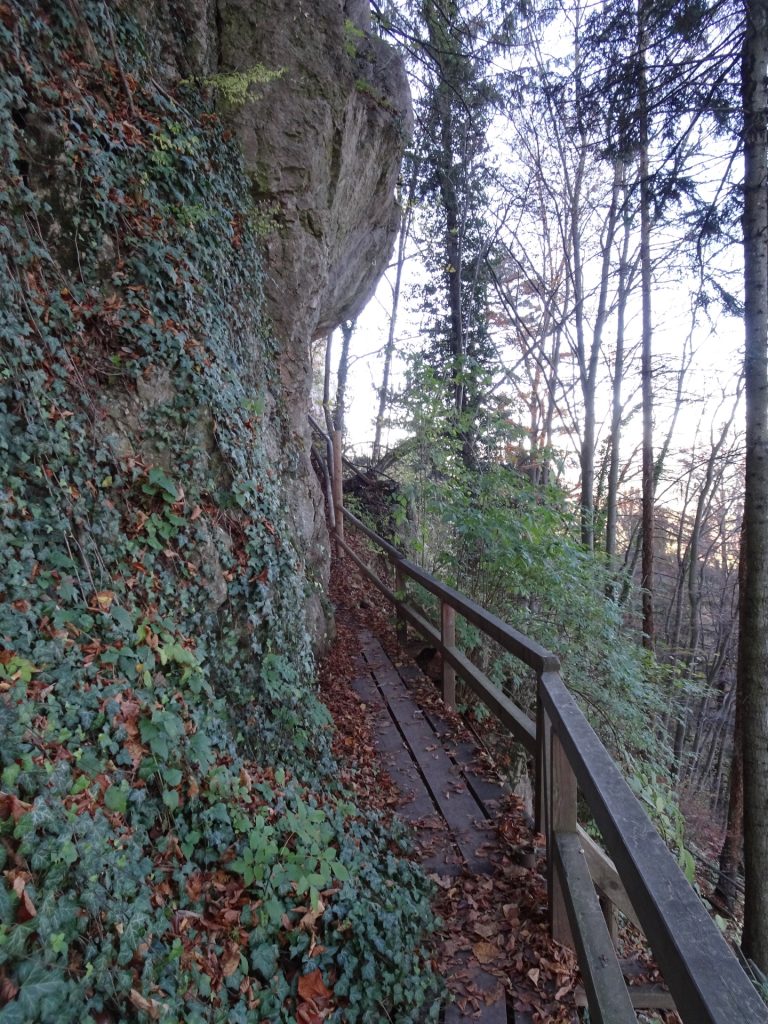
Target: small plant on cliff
[(236, 88), (353, 36)]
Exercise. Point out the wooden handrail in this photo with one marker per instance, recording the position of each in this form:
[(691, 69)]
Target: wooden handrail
[(705, 978), (526, 650)]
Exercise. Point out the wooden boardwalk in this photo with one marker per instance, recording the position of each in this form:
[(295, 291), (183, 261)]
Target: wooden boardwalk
[(436, 779)]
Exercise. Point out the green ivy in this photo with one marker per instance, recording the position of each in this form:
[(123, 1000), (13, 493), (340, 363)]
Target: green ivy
[(174, 843)]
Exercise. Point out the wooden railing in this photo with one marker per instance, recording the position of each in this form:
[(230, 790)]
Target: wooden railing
[(639, 876)]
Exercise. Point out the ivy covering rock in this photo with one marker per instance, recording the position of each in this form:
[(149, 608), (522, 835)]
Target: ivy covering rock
[(173, 843)]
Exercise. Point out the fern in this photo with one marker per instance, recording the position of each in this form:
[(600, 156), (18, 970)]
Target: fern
[(237, 88)]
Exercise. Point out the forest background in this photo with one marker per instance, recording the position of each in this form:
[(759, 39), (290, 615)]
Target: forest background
[(557, 368)]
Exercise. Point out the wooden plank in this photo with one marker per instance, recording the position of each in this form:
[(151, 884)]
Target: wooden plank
[(401, 628), (606, 877), (417, 803), (487, 792), (448, 640), (539, 775), (642, 997), (492, 1012), (607, 995), (610, 916), (562, 802), (396, 758), (706, 980), (564, 790), (449, 792)]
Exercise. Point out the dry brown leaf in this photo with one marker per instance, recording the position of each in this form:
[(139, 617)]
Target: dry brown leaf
[(8, 990), (151, 1007), (485, 952), (12, 807), (486, 930), (307, 1014), (312, 988), (231, 960), (308, 921)]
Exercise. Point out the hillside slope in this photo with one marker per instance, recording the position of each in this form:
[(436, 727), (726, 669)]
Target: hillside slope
[(173, 841)]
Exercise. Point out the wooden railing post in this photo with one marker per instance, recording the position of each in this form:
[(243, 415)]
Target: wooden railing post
[(541, 767), (338, 485), (611, 918), (448, 637), (563, 819), (401, 623)]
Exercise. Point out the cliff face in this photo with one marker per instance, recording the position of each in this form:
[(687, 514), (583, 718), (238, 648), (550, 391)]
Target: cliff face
[(175, 843), (322, 144)]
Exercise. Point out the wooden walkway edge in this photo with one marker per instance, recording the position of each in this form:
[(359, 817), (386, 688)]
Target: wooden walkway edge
[(436, 779)]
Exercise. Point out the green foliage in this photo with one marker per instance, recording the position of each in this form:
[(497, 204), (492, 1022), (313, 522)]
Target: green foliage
[(239, 87), (353, 36), (156, 864), (661, 803), (512, 547)]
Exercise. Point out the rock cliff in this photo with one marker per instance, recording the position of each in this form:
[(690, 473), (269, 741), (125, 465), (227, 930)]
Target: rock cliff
[(175, 841), (322, 143)]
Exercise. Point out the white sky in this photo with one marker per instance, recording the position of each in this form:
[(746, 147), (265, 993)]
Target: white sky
[(714, 371)]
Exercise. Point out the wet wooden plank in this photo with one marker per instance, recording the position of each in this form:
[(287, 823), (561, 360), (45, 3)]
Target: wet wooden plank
[(448, 789), (643, 997), (417, 804), (464, 754), (489, 988), (607, 995)]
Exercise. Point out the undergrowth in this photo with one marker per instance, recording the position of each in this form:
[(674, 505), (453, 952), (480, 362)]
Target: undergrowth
[(173, 843)]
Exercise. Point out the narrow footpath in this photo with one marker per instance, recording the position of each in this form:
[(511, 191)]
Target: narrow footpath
[(405, 753)]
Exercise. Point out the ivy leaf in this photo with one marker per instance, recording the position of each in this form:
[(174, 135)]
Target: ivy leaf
[(340, 871), (116, 799), (264, 960), (122, 618), (171, 799), (159, 478)]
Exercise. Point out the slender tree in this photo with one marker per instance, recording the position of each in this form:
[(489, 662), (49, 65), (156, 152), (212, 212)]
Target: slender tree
[(406, 200), (643, 118), (753, 645)]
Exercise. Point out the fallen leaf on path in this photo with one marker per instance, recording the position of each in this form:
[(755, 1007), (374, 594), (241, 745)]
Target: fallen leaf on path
[(485, 952)]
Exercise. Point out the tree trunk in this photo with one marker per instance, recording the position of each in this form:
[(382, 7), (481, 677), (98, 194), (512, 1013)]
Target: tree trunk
[(347, 330), (646, 580), (753, 640), (730, 854), (402, 241), (327, 384), (612, 497)]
